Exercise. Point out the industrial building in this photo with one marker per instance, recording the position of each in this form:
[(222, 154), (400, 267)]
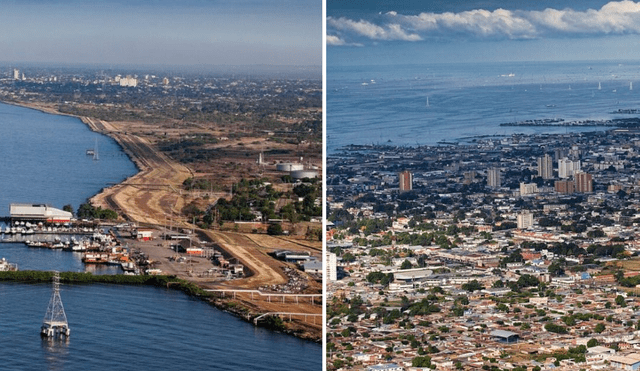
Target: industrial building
[(505, 336), (39, 213)]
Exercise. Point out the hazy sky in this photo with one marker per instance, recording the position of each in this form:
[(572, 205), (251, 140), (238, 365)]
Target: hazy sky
[(387, 31), (176, 32)]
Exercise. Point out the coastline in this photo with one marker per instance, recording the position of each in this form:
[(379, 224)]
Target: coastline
[(148, 205), (169, 282)]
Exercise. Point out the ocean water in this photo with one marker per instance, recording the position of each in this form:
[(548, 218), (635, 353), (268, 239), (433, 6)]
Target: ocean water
[(411, 105), (112, 327)]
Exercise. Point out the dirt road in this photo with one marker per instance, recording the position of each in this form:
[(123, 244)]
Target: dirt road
[(152, 195)]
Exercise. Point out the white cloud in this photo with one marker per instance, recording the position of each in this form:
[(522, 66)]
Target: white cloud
[(335, 40), (372, 31), (621, 17)]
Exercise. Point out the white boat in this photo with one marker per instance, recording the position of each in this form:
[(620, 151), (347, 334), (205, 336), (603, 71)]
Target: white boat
[(6, 266)]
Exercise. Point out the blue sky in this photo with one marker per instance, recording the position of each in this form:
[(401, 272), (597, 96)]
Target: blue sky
[(184, 32), (387, 31)]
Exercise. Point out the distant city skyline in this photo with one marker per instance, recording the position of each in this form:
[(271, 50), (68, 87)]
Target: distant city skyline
[(382, 32), (183, 33)]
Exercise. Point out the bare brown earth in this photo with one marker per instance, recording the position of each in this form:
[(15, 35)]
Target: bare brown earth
[(151, 196), (154, 197)]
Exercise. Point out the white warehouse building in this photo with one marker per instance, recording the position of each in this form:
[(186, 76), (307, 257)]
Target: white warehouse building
[(39, 212)]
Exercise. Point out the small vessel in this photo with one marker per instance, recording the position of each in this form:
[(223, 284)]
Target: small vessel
[(93, 151), (5, 266)]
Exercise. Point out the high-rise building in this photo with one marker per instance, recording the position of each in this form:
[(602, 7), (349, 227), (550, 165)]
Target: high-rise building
[(567, 168), (128, 81), (575, 152), (525, 220), (405, 180), (493, 177), (16, 74), (545, 167), (560, 153), (331, 266), (469, 177), (565, 186), (584, 182), (528, 188)]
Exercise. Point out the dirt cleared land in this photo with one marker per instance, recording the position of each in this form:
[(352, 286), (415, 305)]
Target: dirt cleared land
[(153, 195)]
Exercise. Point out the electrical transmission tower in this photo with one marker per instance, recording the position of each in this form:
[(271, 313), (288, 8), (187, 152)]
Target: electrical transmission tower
[(55, 321)]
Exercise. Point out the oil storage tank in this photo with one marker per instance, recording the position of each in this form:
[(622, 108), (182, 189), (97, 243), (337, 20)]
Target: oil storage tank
[(289, 166)]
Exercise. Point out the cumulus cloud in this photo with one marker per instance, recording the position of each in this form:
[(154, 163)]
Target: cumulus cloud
[(372, 31), (614, 18), (337, 41)]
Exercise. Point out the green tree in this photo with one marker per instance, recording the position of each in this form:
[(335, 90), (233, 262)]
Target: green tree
[(348, 257), (421, 361), (68, 208), (274, 229), (551, 327), (472, 286), (599, 328)]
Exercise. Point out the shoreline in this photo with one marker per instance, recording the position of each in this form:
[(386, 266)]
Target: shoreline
[(163, 281), (135, 148)]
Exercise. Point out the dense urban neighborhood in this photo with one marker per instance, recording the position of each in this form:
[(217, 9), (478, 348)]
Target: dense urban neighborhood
[(501, 253)]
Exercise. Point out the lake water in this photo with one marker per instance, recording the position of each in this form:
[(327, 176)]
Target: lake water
[(44, 159), (113, 327), (411, 105), (139, 328)]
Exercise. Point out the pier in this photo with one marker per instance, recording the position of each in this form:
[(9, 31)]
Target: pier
[(268, 295)]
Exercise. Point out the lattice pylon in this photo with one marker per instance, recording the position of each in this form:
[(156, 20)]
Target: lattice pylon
[(55, 320)]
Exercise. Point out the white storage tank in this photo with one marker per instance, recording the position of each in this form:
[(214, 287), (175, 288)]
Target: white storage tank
[(289, 166)]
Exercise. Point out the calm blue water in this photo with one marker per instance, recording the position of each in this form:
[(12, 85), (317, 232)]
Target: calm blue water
[(424, 104), (139, 328), (113, 327), (44, 159)]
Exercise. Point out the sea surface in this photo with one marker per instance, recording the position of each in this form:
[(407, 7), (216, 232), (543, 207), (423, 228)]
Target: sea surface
[(43, 160), (409, 105)]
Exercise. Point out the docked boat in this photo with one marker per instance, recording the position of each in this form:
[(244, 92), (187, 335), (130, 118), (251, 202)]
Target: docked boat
[(5, 266)]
